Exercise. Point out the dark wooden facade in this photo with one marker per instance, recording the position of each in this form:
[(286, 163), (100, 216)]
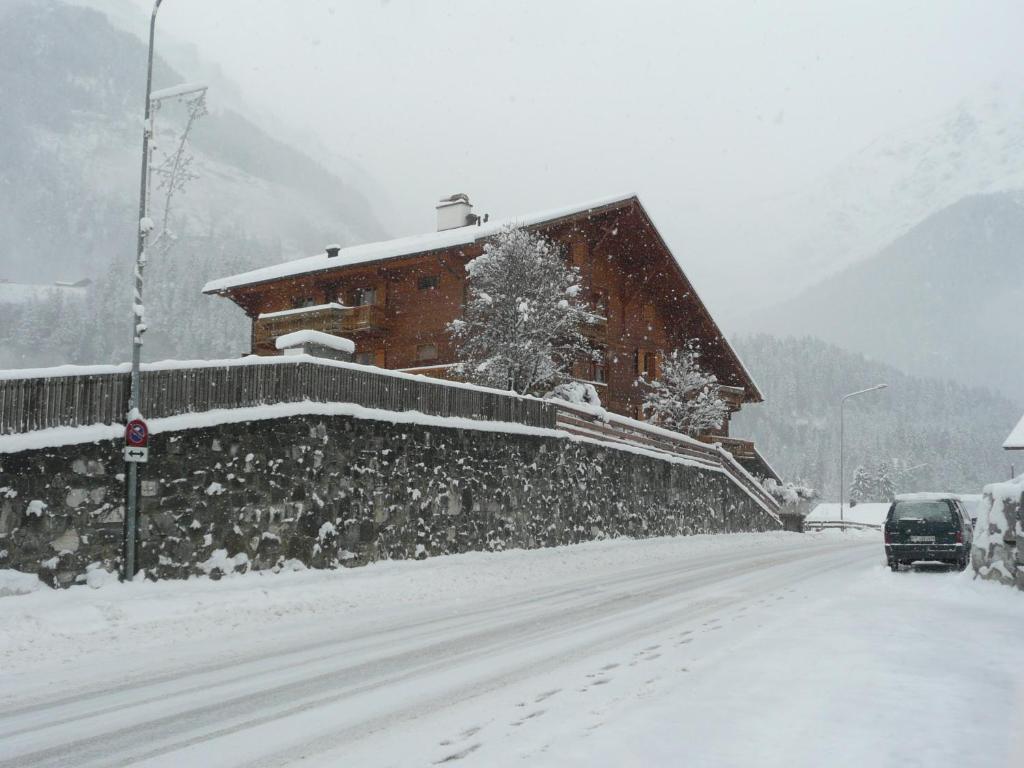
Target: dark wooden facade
[(397, 309)]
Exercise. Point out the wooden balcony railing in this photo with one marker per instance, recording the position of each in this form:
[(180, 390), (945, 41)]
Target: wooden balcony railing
[(326, 318), (741, 449), (595, 328)]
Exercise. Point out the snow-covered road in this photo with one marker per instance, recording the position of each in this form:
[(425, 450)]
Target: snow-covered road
[(774, 649)]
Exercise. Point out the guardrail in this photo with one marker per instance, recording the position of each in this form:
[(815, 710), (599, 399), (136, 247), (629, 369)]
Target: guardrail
[(82, 399), (821, 525), (613, 428)]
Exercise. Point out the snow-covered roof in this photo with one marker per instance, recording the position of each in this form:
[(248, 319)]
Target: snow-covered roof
[(1015, 442), (298, 338), (404, 246), (301, 310)]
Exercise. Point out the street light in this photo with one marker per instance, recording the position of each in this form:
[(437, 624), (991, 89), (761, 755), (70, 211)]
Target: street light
[(138, 324), (145, 227), (842, 481)]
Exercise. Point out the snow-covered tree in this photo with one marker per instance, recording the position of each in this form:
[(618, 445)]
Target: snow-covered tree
[(686, 397), (521, 327), (884, 484), (863, 486)]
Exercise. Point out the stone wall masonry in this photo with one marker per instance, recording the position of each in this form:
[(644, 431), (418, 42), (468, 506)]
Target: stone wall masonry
[(339, 491)]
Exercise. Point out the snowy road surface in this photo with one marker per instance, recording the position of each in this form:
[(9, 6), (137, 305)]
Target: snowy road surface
[(743, 650)]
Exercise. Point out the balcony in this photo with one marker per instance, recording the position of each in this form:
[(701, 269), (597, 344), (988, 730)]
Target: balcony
[(595, 328), (335, 319)]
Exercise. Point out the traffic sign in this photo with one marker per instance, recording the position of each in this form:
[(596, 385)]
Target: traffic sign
[(136, 455), (136, 434)]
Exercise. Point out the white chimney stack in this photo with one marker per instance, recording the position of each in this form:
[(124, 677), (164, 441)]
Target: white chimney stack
[(455, 211)]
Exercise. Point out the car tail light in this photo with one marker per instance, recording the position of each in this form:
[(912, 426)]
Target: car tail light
[(959, 537), (888, 537)]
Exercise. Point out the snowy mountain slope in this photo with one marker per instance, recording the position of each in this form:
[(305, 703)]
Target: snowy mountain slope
[(877, 195), (942, 300), (72, 87), (929, 433)]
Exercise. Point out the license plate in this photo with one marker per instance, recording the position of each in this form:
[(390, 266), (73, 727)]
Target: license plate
[(922, 539)]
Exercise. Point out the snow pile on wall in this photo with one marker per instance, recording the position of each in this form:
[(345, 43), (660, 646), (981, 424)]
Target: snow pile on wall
[(578, 392), (995, 554)]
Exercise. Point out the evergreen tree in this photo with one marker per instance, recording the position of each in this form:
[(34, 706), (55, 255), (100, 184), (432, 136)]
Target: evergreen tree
[(521, 327), (863, 486), (686, 397), (884, 484)]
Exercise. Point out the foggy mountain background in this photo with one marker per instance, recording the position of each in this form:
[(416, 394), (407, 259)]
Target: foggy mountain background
[(944, 300), (906, 251), (954, 431), (68, 197)]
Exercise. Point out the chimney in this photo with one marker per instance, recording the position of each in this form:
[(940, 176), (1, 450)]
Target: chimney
[(455, 211), (332, 250)]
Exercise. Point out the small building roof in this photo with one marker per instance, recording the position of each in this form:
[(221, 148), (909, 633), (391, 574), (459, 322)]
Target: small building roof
[(304, 337), (1015, 442)]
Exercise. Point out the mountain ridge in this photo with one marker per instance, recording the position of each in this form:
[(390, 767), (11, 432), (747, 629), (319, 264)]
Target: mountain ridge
[(941, 300)]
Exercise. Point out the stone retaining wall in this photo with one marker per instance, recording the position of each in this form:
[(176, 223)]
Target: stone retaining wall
[(335, 490)]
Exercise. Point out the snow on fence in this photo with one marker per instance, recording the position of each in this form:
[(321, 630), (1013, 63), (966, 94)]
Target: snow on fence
[(100, 396), (73, 396), (598, 424)]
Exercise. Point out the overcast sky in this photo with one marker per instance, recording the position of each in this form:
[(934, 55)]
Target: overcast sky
[(700, 107)]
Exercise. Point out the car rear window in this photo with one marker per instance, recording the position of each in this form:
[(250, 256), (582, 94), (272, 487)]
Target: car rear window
[(932, 511)]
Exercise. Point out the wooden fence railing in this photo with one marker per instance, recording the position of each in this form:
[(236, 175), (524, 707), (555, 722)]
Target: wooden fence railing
[(631, 432), (28, 404)]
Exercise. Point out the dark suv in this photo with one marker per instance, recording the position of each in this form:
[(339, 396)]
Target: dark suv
[(932, 529)]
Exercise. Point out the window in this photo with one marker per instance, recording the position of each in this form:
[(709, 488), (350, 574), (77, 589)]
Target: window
[(648, 363), (426, 353), (303, 301), (428, 282), (364, 296), (651, 365), (929, 511), (599, 373), (364, 358)]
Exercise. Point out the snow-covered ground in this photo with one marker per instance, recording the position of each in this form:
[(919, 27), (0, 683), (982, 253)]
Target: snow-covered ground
[(749, 649)]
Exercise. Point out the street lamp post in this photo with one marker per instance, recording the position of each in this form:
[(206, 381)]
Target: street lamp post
[(138, 324), (842, 481)]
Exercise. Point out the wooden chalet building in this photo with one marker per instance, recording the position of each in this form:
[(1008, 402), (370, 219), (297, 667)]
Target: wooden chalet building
[(394, 299)]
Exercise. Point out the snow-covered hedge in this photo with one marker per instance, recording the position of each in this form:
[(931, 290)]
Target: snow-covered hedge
[(996, 554)]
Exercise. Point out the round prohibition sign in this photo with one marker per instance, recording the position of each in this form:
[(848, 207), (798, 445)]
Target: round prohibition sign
[(136, 433)]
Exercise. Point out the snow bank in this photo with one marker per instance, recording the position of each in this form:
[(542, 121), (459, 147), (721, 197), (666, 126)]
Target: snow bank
[(1000, 526), (18, 583)]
